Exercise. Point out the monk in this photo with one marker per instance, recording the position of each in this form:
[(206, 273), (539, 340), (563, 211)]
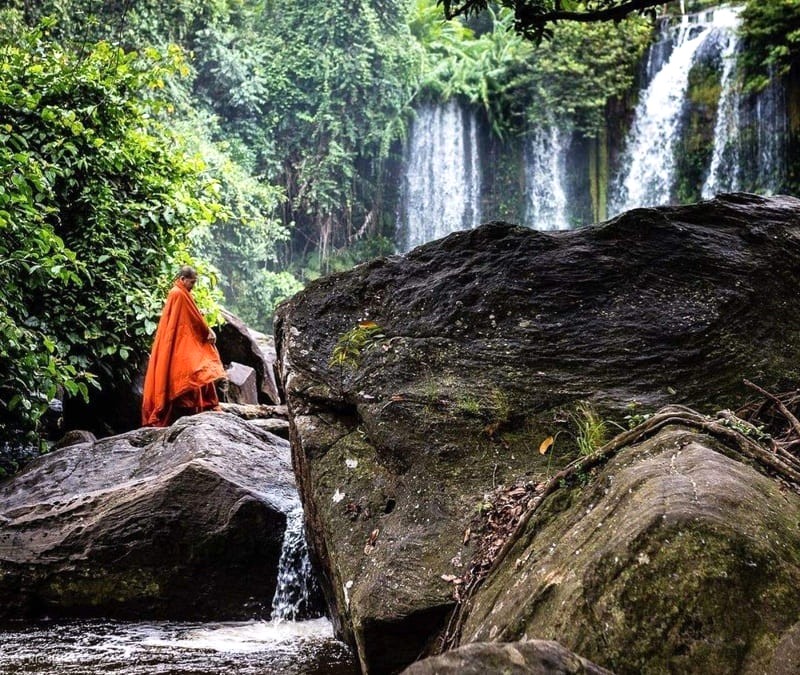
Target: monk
[(184, 362)]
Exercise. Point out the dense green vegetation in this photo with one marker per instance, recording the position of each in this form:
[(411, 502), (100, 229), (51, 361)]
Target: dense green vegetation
[(771, 32), (96, 197)]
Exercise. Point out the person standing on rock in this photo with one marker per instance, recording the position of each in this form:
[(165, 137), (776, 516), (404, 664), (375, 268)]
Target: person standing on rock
[(184, 362)]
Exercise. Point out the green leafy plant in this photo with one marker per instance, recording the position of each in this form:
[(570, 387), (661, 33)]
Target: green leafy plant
[(350, 346), (635, 416), (591, 430), (97, 195), (771, 32), (469, 405)]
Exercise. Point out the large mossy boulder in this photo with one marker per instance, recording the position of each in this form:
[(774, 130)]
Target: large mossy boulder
[(418, 384), (676, 557), (185, 522)]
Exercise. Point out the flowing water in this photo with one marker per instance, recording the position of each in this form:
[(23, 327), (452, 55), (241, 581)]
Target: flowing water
[(649, 161), (286, 645), (442, 183), (161, 648), (724, 175), (546, 196)]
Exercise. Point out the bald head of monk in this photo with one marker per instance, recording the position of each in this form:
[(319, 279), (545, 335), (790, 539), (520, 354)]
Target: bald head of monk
[(187, 276)]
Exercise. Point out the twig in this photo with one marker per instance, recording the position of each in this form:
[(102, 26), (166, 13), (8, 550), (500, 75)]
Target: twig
[(784, 410)]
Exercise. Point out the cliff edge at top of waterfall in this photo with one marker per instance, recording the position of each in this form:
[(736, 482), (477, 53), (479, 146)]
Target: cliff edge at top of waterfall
[(421, 386)]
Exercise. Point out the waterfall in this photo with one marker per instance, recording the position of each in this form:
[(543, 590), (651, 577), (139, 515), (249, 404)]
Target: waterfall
[(297, 593), (724, 173), (545, 194), (750, 131), (442, 185), (648, 162), (771, 123)]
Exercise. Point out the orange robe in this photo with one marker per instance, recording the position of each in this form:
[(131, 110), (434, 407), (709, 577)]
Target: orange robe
[(183, 363)]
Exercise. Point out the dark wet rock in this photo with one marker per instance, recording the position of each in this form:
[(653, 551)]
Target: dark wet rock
[(73, 438), (275, 426), (240, 386), (255, 412), (239, 343), (532, 657), (481, 345), (184, 522)]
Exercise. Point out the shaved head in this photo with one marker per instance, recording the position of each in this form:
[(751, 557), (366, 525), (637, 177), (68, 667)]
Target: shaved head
[(187, 272)]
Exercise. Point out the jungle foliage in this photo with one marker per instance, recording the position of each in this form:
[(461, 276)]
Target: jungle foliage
[(569, 77), (771, 32), (97, 195), (298, 110)]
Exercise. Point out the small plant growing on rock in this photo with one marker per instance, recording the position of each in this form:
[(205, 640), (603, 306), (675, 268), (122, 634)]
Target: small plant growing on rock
[(635, 416), (499, 409), (350, 346), (469, 405), (591, 429)]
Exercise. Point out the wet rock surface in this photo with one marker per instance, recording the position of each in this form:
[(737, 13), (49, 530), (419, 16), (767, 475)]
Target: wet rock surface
[(672, 558), (532, 657)]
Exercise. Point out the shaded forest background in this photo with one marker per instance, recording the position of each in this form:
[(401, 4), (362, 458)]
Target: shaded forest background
[(256, 139)]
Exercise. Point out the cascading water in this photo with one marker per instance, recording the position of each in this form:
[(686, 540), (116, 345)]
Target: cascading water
[(769, 119), (648, 163), (724, 173), (546, 197), (297, 595), (442, 185), (292, 643)]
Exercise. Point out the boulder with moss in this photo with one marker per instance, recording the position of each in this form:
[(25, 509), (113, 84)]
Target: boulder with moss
[(416, 385), (531, 657), (677, 555)]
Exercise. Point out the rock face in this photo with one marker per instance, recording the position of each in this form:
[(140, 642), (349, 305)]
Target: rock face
[(474, 349), (184, 522), (533, 657), (237, 342), (674, 558)]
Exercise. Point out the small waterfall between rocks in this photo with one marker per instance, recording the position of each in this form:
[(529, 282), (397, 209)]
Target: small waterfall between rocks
[(442, 182), (298, 595), (298, 640)]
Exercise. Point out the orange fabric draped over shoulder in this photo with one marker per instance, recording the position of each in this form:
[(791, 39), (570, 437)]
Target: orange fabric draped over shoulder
[(183, 363)]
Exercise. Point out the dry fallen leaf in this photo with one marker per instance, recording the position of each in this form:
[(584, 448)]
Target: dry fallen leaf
[(467, 532), (546, 445)]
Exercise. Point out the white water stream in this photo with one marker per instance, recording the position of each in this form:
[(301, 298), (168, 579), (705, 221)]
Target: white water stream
[(286, 645), (546, 196), (649, 161), (442, 183), (723, 175)]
